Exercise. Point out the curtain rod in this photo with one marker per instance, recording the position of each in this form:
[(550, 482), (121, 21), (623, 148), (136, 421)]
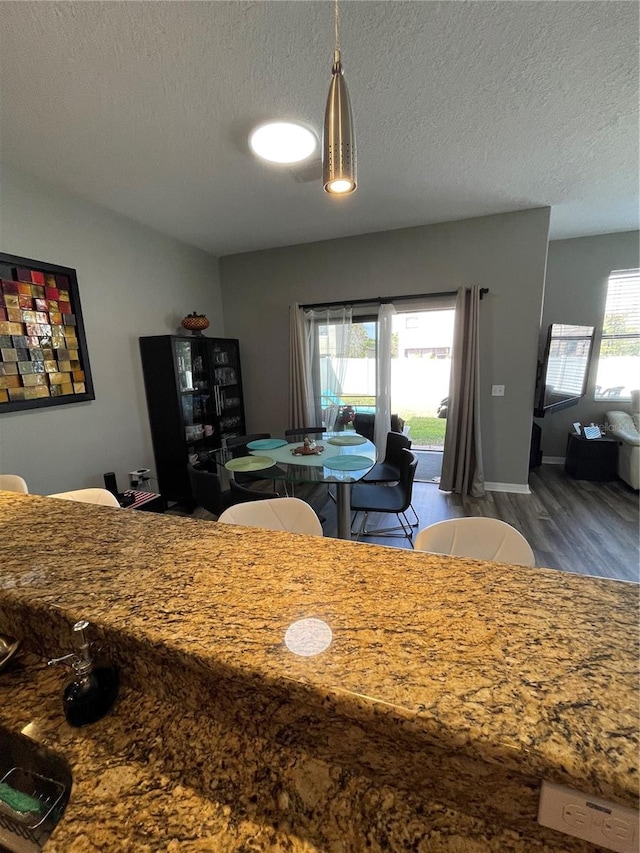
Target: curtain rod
[(380, 300)]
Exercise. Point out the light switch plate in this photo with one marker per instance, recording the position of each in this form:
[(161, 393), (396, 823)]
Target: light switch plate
[(497, 390), (603, 823)]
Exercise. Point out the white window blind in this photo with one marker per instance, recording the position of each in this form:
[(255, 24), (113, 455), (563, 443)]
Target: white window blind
[(619, 358)]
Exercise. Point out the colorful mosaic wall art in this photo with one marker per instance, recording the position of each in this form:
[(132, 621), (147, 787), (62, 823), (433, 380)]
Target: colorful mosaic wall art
[(43, 351)]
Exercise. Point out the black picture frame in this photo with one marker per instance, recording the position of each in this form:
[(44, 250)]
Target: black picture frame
[(62, 337)]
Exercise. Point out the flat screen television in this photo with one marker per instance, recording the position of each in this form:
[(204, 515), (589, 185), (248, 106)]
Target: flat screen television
[(563, 371)]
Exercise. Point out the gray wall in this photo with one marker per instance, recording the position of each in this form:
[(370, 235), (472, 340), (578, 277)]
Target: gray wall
[(133, 281), (506, 253), (576, 290)]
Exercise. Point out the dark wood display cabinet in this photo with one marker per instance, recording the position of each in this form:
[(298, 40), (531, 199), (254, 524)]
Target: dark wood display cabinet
[(194, 397)]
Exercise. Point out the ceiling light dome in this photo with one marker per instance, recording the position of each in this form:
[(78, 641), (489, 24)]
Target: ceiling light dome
[(283, 142)]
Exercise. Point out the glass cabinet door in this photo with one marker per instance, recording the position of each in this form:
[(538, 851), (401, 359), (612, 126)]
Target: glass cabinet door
[(227, 391), (194, 384)]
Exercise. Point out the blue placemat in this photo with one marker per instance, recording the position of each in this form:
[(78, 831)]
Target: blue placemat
[(266, 443), (347, 463)]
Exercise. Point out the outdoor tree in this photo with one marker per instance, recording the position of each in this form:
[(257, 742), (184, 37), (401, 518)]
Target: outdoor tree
[(616, 324), (360, 344)]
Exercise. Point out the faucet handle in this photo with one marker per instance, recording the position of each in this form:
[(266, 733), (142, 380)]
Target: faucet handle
[(71, 656), (81, 659)]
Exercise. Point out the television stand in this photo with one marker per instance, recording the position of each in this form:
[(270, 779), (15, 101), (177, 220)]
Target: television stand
[(535, 453)]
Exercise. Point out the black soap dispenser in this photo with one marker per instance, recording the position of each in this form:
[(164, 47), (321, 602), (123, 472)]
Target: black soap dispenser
[(92, 691)]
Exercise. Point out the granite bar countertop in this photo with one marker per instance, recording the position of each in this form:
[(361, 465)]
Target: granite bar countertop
[(501, 672)]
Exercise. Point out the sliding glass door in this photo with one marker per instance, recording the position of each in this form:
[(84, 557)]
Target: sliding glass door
[(345, 368)]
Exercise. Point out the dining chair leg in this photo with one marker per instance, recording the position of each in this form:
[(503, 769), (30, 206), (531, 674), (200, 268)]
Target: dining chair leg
[(360, 530), (403, 525)]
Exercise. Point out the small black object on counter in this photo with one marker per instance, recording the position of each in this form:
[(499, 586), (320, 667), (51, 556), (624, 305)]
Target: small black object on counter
[(93, 690)]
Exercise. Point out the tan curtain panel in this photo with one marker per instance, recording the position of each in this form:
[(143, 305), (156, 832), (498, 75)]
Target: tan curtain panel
[(301, 397), (462, 468)]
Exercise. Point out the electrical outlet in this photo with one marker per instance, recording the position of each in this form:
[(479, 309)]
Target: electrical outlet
[(603, 823), (497, 390)]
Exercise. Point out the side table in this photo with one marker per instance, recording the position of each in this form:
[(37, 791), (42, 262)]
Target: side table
[(591, 458), (146, 501)]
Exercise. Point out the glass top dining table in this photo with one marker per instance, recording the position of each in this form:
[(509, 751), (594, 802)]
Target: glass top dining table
[(344, 459)]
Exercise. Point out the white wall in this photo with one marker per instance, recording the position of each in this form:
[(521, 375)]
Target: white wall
[(506, 253), (133, 281), (575, 292)]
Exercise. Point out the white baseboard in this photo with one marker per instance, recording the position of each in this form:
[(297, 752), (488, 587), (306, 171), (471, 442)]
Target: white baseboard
[(514, 488), (553, 460)]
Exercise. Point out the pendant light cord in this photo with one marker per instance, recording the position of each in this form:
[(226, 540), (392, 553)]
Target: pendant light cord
[(336, 16)]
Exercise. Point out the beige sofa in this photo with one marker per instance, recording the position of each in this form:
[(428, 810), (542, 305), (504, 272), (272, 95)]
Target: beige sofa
[(625, 426)]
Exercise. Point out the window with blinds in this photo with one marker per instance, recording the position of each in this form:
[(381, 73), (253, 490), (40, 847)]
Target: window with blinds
[(619, 358)]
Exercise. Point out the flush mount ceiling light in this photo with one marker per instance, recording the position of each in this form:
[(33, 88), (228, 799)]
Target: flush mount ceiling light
[(338, 140), (283, 142)]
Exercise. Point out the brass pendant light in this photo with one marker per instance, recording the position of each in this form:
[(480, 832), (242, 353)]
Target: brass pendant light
[(338, 139)]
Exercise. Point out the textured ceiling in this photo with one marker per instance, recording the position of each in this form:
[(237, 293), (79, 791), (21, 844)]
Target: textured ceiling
[(461, 109)]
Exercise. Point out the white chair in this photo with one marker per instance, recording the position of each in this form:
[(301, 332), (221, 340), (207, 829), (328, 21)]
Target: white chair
[(625, 428), (89, 496), (479, 538), (13, 483), (289, 514)]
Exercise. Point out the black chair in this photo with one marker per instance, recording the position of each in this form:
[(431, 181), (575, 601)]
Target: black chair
[(238, 446), (298, 433), (240, 495), (388, 471), (364, 424), (206, 490), (379, 497), (243, 440)]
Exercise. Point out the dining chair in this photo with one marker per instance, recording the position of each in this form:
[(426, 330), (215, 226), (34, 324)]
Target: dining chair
[(295, 434), (290, 514), (13, 483), (384, 498), (479, 538), (243, 440), (364, 423), (89, 496), (388, 471), (299, 433), (206, 489), (238, 444), (240, 494)]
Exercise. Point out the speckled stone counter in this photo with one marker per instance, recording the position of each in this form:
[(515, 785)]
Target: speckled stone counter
[(451, 687)]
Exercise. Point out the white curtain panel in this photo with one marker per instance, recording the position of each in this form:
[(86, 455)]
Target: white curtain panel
[(329, 337), (383, 378), (462, 467)]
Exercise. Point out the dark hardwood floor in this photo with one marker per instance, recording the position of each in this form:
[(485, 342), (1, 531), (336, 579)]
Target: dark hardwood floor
[(573, 525)]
